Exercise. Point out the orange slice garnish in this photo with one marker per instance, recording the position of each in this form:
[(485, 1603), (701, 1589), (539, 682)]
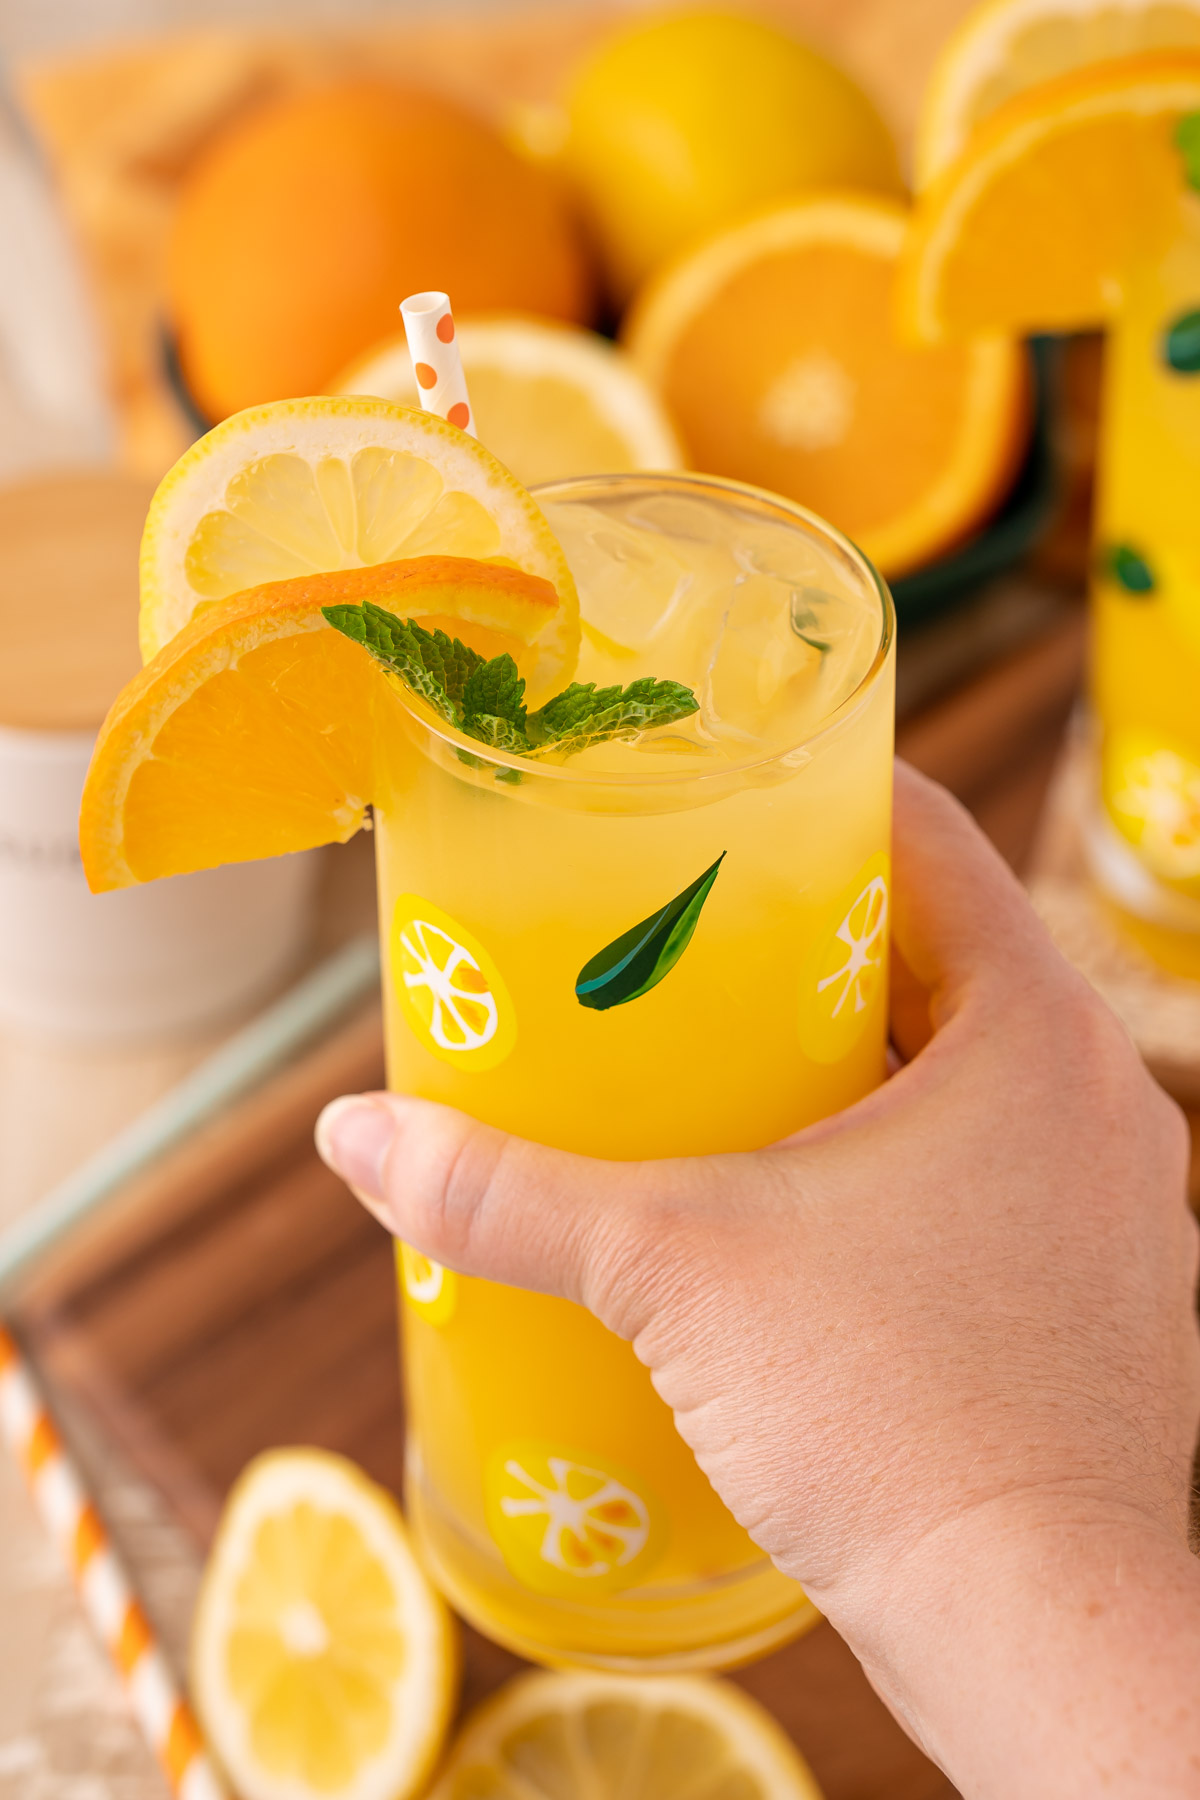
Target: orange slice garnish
[(249, 734)]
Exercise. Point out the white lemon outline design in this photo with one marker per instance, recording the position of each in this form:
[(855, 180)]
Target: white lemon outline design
[(438, 977), (434, 1295), (442, 976), (1154, 799), (829, 1029), (539, 1558)]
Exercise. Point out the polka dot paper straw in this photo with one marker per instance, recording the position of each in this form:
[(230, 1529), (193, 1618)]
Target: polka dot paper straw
[(104, 1588), (437, 365)]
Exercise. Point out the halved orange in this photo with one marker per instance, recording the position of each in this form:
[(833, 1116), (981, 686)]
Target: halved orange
[(1034, 225), (250, 734), (306, 486), (773, 345)]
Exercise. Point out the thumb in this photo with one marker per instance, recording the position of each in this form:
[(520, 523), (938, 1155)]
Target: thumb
[(493, 1205)]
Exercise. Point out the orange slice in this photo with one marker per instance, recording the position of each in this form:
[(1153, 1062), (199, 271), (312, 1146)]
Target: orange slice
[(250, 734), (1007, 46), (308, 486), (773, 346), (1034, 225)]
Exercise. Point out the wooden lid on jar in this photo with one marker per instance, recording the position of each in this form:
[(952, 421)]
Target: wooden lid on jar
[(68, 596)]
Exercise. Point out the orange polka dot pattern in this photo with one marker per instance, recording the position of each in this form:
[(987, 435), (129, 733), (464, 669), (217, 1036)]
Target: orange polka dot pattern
[(429, 327)]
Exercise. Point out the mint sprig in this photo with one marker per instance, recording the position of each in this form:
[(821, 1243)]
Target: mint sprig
[(485, 697)]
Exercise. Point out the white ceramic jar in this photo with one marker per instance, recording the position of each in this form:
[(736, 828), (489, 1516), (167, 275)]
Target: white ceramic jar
[(144, 962)]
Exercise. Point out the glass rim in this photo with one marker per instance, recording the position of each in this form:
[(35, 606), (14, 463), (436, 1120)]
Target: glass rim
[(573, 487)]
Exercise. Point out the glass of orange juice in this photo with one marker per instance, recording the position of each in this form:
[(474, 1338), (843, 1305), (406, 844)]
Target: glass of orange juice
[(1144, 839), (662, 946)]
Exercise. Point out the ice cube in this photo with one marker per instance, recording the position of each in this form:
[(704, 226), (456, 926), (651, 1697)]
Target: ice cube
[(630, 581), (763, 674)]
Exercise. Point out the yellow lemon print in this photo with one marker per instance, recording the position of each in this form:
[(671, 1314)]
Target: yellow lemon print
[(570, 1523), (1153, 795), (429, 1289), (844, 980), (448, 988)]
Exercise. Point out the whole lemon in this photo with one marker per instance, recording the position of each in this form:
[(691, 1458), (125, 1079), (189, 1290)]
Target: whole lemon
[(677, 126), (302, 226)]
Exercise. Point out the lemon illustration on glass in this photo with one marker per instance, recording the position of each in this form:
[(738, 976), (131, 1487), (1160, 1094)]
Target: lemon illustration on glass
[(430, 1289), (450, 991), (844, 978), (569, 1522), (1153, 792)]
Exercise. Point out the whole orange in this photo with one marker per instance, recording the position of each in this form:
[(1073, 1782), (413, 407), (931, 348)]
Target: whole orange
[(303, 225)]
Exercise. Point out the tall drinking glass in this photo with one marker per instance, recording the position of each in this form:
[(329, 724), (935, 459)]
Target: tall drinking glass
[(656, 948)]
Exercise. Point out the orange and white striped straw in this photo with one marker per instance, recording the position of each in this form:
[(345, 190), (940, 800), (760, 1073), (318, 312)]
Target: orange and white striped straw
[(437, 365), (104, 1588)]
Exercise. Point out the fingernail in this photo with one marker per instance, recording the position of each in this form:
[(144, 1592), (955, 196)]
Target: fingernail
[(353, 1137)]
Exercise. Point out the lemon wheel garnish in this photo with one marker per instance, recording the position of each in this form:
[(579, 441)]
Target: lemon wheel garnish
[(323, 1663), (430, 1289), (448, 988), (1152, 790), (568, 1522), (844, 979), (306, 487), (621, 1737)]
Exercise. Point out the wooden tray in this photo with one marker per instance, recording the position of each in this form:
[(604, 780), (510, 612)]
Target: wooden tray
[(240, 1298)]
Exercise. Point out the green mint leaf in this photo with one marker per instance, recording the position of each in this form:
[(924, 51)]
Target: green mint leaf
[(495, 688), (584, 714), (486, 698), (435, 666), (1187, 141), (1128, 568), (637, 961), (497, 733)]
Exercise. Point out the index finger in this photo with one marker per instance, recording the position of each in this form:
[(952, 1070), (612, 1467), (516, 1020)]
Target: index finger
[(959, 915)]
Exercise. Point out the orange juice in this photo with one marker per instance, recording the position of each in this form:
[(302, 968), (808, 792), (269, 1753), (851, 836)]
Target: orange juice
[(1145, 841), (656, 948)]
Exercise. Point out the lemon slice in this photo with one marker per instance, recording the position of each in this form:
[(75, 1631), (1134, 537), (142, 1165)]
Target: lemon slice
[(1152, 790), (306, 487), (844, 981), (617, 1737), (323, 1663), (449, 990), (1008, 46), (549, 401)]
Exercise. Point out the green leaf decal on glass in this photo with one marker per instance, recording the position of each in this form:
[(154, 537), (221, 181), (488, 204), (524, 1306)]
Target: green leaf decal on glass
[(1129, 570), (1181, 343), (1187, 141), (637, 961)]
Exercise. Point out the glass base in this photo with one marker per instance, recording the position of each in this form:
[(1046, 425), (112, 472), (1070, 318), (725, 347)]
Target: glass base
[(719, 1623), (1164, 923)]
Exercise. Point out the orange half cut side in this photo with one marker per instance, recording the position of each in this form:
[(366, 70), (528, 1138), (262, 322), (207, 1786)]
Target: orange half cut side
[(250, 733)]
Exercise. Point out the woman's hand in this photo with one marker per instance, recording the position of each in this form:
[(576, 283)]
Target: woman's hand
[(938, 1354)]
